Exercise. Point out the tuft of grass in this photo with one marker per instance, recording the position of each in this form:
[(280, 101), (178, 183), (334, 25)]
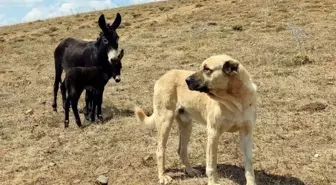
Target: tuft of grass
[(2, 39), (136, 15), (53, 29), (280, 28), (237, 27), (302, 60), (165, 9), (36, 34), (84, 26)]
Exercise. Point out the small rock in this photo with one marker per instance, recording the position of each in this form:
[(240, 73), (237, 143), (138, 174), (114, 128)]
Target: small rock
[(314, 106), (212, 24), (148, 158), (198, 5), (102, 180), (29, 112), (316, 155), (76, 181), (52, 164)]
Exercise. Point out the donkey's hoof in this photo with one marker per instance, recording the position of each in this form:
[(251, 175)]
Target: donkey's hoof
[(100, 118), (66, 123), (54, 106)]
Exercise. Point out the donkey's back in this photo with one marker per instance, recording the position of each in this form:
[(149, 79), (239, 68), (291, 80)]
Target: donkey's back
[(69, 53)]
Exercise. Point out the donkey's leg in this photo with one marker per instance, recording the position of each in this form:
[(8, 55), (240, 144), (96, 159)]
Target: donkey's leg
[(58, 76), (63, 91), (94, 101)]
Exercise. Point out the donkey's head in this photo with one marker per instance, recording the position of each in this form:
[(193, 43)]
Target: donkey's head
[(109, 36)]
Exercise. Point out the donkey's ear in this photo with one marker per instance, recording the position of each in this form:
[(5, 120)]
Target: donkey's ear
[(116, 22), (102, 22), (121, 54), (230, 67)]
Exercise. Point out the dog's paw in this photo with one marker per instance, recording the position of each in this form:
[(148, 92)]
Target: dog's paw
[(193, 172), (165, 179), (213, 183), (251, 183)]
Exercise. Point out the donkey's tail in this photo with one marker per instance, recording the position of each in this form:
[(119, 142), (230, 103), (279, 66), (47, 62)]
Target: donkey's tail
[(58, 74)]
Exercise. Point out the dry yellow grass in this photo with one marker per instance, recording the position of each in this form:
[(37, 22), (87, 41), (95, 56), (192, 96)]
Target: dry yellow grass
[(294, 139)]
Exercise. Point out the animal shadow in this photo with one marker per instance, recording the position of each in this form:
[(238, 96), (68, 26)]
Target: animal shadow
[(237, 175), (110, 112)]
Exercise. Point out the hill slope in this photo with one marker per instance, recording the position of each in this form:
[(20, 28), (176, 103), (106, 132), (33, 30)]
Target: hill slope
[(295, 132)]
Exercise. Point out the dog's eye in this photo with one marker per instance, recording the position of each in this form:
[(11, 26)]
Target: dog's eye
[(206, 70)]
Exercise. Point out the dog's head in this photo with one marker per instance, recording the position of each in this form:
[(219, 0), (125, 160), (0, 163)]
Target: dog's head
[(215, 73)]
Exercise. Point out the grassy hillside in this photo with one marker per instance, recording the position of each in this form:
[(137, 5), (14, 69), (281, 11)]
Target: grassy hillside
[(287, 46)]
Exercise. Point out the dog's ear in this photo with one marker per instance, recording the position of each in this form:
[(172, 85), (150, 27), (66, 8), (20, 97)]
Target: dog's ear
[(116, 22), (102, 23), (230, 67)]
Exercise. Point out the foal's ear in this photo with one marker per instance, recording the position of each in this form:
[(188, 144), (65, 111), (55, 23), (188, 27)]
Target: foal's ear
[(116, 22), (230, 67), (102, 22), (121, 54)]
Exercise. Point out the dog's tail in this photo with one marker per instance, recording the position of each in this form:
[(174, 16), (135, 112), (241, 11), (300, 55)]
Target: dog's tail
[(143, 118)]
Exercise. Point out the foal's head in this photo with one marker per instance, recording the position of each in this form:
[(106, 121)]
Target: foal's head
[(114, 67), (109, 36)]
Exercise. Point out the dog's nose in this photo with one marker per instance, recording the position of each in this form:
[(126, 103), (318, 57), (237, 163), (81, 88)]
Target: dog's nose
[(188, 80), (117, 79)]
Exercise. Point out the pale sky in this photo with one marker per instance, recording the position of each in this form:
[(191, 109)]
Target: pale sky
[(18, 11)]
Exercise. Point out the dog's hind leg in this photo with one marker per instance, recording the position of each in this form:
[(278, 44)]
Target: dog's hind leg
[(163, 124), (185, 127)]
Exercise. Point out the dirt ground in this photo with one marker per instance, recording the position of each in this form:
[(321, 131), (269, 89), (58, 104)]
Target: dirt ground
[(287, 46)]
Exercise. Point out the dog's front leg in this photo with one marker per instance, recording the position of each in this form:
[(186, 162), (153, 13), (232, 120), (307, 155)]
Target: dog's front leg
[(211, 155), (246, 140)]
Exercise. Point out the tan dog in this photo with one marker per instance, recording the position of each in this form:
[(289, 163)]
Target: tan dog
[(220, 95)]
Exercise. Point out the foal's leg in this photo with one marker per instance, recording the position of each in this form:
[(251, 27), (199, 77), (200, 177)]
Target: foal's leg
[(94, 105), (74, 104), (99, 104), (66, 112), (88, 104)]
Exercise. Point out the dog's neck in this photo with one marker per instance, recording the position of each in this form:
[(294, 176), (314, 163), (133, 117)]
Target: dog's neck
[(229, 101), (239, 94)]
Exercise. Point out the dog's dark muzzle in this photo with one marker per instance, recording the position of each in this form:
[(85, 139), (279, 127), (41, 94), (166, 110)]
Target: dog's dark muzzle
[(196, 85)]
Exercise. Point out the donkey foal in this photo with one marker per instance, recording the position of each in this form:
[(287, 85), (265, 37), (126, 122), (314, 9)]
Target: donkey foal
[(89, 78)]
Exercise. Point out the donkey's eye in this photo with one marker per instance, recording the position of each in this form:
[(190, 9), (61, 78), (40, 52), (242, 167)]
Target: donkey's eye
[(105, 40), (207, 70)]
